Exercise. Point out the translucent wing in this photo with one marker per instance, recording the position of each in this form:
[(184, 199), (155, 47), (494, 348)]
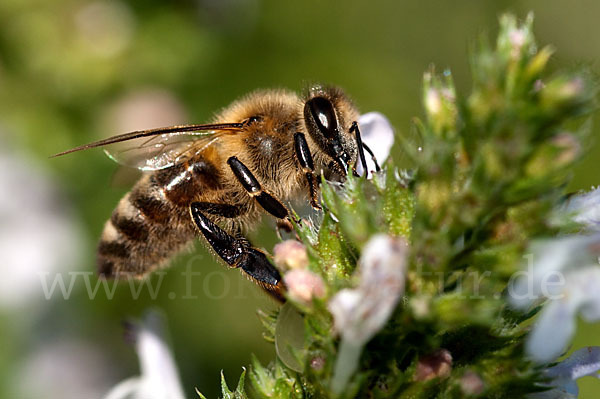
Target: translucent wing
[(160, 148), (159, 152)]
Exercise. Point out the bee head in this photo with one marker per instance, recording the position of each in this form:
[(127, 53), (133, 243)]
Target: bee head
[(328, 115)]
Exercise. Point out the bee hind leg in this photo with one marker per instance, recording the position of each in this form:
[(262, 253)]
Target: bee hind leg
[(239, 253)]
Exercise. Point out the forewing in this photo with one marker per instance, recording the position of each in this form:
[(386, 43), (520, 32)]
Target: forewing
[(159, 152), (160, 148)]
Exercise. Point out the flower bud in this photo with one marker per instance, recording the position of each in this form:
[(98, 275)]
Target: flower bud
[(471, 383), (304, 285), (436, 365), (317, 363), (439, 98), (562, 93), (290, 254)]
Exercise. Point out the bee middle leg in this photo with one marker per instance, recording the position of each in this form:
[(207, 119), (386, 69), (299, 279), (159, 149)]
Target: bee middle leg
[(238, 252), (267, 201)]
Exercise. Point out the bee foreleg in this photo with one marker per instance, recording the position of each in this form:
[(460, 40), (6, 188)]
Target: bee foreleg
[(267, 201), (238, 253), (373, 158), (361, 149), (308, 167)]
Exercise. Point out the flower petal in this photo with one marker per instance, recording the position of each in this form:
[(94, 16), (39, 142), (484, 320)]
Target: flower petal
[(586, 209), (552, 259), (360, 312), (582, 363), (583, 289), (159, 377), (552, 332), (157, 365)]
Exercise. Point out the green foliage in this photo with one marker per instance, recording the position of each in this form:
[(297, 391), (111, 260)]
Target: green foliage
[(491, 169), (227, 393)]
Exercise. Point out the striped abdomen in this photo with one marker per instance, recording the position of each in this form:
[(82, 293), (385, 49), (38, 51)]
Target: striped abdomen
[(152, 222)]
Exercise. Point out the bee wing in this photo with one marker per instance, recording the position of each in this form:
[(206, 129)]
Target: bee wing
[(159, 148), (160, 152)]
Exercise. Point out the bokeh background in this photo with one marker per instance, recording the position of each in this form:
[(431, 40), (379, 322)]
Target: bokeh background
[(73, 71)]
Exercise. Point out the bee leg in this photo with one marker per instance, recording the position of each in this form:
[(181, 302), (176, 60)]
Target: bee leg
[(239, 253), (359, 145), (268, 202), (373, 158), (308, 167), (283, 225)]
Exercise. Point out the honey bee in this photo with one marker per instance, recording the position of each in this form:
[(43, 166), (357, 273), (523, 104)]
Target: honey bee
[(217, 179)]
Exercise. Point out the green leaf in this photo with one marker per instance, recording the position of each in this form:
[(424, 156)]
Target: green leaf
[(336, 258), (261, 379), (239, 392)]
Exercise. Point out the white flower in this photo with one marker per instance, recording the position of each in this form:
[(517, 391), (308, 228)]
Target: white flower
[(566, 272), (360, 312), (583, 362), (586, 209), (378, 134), (159, 377)]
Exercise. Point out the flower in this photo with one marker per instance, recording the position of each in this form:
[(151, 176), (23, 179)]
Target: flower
[(360, 312), (159, 377), (304, 285), (378, 134), (586, 209), (565, 271), (583, 362)]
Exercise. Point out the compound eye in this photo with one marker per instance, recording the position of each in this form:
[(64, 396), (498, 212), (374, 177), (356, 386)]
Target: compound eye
[(323, 114)]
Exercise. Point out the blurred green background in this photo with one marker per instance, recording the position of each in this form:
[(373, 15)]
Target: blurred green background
[(76, 71)]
